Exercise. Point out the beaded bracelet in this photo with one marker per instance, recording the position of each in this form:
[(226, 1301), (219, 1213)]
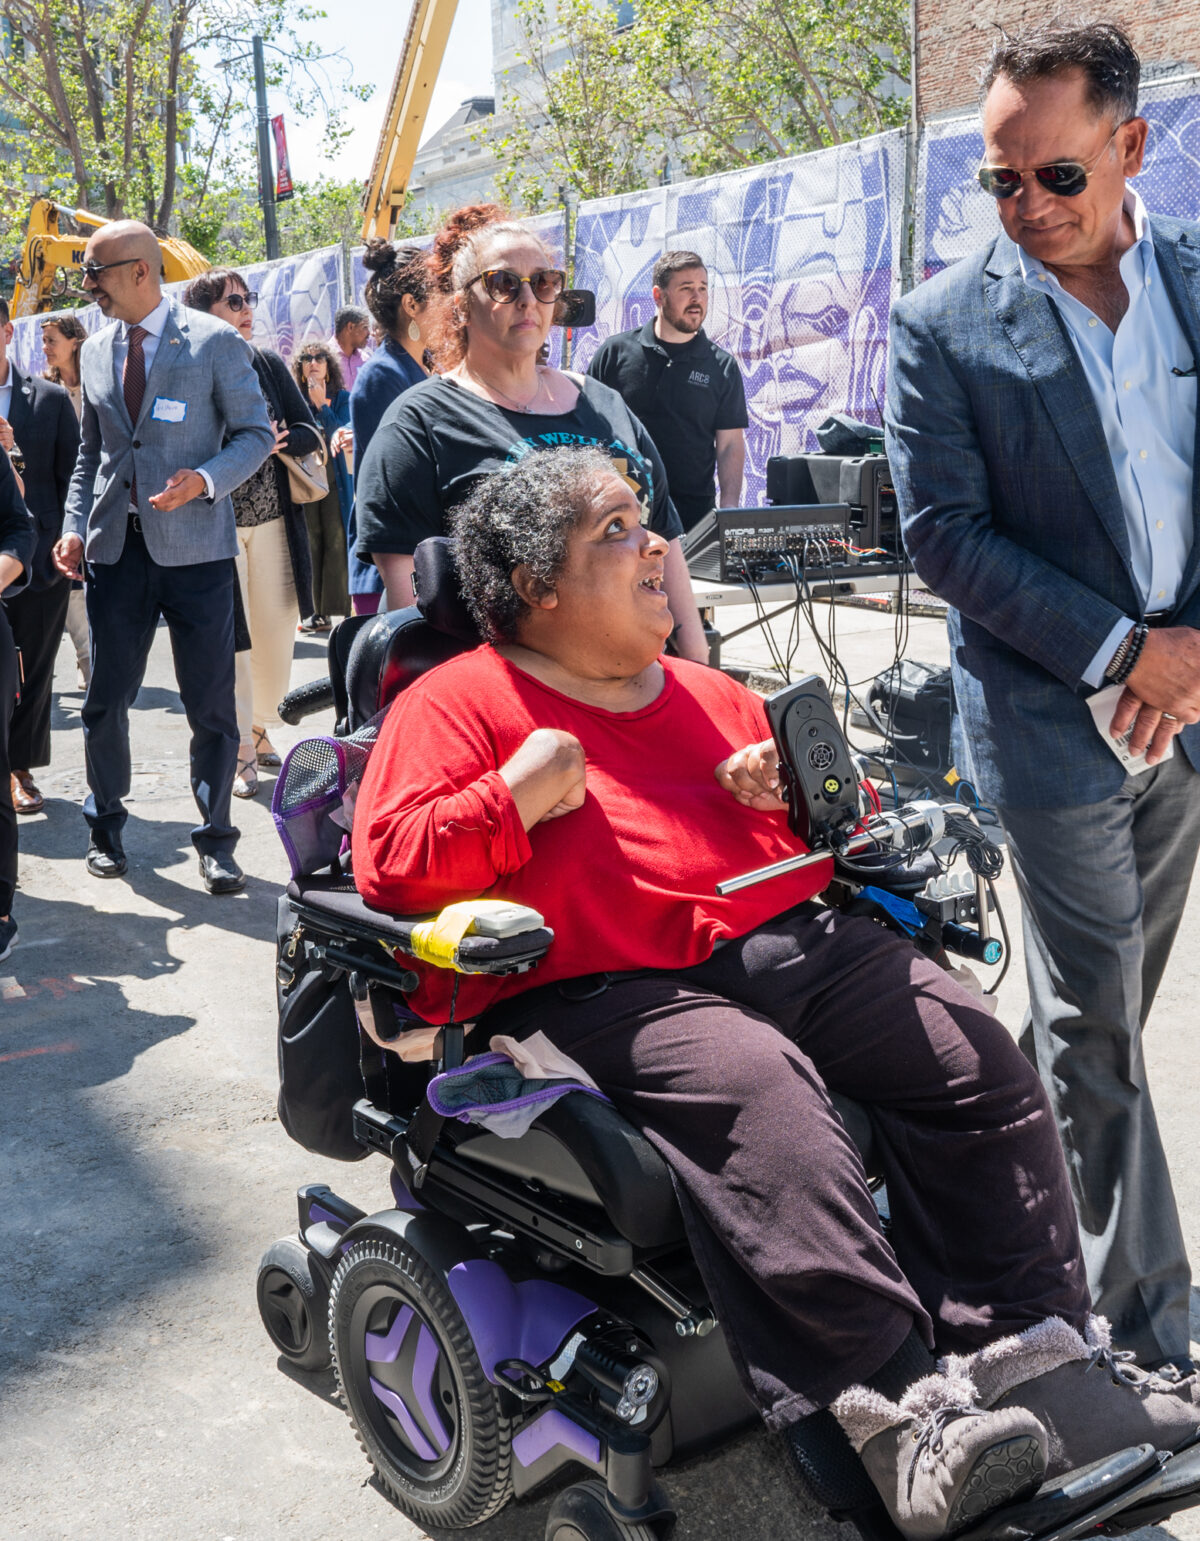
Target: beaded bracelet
[(1124, 667)]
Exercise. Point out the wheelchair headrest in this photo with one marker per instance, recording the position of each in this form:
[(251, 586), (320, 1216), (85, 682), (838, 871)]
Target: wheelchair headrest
[(387, 656), (439, 593)]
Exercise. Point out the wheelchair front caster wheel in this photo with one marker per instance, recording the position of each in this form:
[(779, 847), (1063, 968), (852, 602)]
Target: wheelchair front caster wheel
[(293, 1301), (581, 1514)]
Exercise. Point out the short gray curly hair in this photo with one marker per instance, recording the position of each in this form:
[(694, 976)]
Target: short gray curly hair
[(521, 516)]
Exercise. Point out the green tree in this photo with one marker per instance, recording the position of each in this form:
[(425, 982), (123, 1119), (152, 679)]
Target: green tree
[(742, 81), (228, 230), (708, 84), (125, 107), (579, 116)]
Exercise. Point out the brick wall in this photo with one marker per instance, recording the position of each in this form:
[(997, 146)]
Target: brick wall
[(954, 38)]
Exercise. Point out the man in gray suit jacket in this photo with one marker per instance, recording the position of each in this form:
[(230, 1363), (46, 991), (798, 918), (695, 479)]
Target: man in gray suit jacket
[(173, 420), (1042, 429)]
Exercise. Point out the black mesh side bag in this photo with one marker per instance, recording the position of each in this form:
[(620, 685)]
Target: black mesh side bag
[(320, 1073)]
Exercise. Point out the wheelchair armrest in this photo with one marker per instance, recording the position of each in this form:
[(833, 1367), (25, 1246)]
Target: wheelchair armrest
[(332, 906), (480, 954)]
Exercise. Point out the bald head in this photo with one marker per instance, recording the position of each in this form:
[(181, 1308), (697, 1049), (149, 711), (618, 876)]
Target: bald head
[(130, 286)]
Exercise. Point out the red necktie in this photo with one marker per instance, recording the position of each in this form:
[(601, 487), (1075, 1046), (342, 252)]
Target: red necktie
[(134, 385)]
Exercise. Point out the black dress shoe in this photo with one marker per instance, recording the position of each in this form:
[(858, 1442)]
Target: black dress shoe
[(105, 855), (221, 873)]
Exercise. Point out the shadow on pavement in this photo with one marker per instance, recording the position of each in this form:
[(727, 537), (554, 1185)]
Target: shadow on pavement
[(163, 868), (65, 1031)]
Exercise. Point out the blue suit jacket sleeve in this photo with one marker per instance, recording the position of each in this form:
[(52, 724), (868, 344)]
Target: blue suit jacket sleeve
[(18, 533), (946, 512)]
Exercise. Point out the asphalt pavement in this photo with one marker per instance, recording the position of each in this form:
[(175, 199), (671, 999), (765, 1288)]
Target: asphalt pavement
[(143, 1172)]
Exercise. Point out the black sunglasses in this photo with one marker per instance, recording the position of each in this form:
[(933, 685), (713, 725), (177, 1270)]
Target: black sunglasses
[(503, 285), (237, 300), (93, 270), (313, 358), (1065, 179)]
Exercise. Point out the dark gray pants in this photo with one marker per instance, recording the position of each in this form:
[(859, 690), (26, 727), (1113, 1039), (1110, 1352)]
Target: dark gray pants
[(727, 1067), (1103, 889)]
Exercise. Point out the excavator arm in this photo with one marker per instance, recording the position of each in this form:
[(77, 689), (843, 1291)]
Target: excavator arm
[(420, 60), (50, 255)]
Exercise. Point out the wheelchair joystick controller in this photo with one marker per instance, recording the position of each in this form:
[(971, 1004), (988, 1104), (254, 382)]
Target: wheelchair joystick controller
[(824, 792), (912, 828)]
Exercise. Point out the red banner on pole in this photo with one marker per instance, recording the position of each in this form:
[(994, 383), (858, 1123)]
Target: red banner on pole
[(283, 172)]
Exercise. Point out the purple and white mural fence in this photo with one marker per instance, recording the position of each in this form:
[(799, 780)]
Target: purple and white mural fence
[(954, 215), (803, 262), (297, 297)]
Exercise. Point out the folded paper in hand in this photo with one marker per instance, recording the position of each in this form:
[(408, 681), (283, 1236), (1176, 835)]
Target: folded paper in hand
[(1102, 706)]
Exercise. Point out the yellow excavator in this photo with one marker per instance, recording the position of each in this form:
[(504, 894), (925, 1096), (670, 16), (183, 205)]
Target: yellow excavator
[(420, 60), (51, 255)]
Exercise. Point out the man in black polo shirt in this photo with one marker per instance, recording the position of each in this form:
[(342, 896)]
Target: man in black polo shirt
[(686, 391)]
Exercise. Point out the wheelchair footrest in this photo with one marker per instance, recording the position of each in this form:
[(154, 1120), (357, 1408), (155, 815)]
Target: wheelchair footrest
[(1180, 1489), (1080, 1502)]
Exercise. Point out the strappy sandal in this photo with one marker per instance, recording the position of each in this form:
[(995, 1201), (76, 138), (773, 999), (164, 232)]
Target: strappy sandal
[(245, 783), (268, 756)]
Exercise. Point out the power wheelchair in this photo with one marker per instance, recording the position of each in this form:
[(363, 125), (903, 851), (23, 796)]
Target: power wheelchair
[(524, 1307)]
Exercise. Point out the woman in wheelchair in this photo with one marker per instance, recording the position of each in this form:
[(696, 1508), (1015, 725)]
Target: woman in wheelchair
[(569, 766)]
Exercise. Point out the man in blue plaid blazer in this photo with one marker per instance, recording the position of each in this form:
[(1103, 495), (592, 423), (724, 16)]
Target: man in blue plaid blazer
[(1042, 434)]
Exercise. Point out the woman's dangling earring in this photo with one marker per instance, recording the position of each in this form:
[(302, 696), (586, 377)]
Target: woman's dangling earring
[(414, 331)]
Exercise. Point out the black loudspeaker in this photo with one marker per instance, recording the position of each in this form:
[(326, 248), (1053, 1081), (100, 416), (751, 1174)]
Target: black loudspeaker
[(861, 481)]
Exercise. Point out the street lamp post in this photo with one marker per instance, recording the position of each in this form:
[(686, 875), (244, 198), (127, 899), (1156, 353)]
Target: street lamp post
[(266, 185)]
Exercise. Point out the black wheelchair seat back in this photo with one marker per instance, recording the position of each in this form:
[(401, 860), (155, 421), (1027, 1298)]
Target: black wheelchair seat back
[(371, 664)]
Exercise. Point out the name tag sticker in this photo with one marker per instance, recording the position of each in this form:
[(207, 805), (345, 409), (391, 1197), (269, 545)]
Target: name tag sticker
[(167, 411)]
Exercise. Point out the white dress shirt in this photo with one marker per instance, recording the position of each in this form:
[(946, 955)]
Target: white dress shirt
[(1148, 413), (6, 391)]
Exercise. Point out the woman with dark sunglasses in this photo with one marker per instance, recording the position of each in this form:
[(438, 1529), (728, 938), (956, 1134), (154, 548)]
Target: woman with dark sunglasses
[(494, 289), (318, 374), (274, 563)]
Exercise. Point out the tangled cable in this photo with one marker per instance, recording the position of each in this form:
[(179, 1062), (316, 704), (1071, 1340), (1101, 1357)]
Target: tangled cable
[(984, 857)]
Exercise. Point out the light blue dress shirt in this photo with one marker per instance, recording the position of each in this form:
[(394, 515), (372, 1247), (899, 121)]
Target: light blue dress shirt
[(1148, 415)]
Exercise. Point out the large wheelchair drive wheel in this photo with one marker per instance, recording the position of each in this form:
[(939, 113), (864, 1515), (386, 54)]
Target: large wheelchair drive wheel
[(580, 1513), (293, 1301), (424, 1412)]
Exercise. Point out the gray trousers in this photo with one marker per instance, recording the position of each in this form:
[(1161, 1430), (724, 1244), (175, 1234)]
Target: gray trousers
[(1103, 888)]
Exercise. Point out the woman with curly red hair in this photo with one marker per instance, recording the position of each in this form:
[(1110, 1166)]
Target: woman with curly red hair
[(493, 292)]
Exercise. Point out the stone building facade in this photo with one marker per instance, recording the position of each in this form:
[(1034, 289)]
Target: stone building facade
[(451, 168)]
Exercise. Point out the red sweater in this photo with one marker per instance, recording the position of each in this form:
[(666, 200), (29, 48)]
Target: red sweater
[(626, 881)]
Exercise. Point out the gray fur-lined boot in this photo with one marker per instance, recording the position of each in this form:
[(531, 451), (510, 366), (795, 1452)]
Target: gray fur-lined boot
[(1091, 1398), (938, 1461)]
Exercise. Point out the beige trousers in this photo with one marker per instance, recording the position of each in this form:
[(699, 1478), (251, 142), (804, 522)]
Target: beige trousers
[(77, 630), (264, 571)]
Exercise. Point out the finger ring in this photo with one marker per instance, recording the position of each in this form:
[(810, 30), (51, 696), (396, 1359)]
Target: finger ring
[(1168, 717)]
